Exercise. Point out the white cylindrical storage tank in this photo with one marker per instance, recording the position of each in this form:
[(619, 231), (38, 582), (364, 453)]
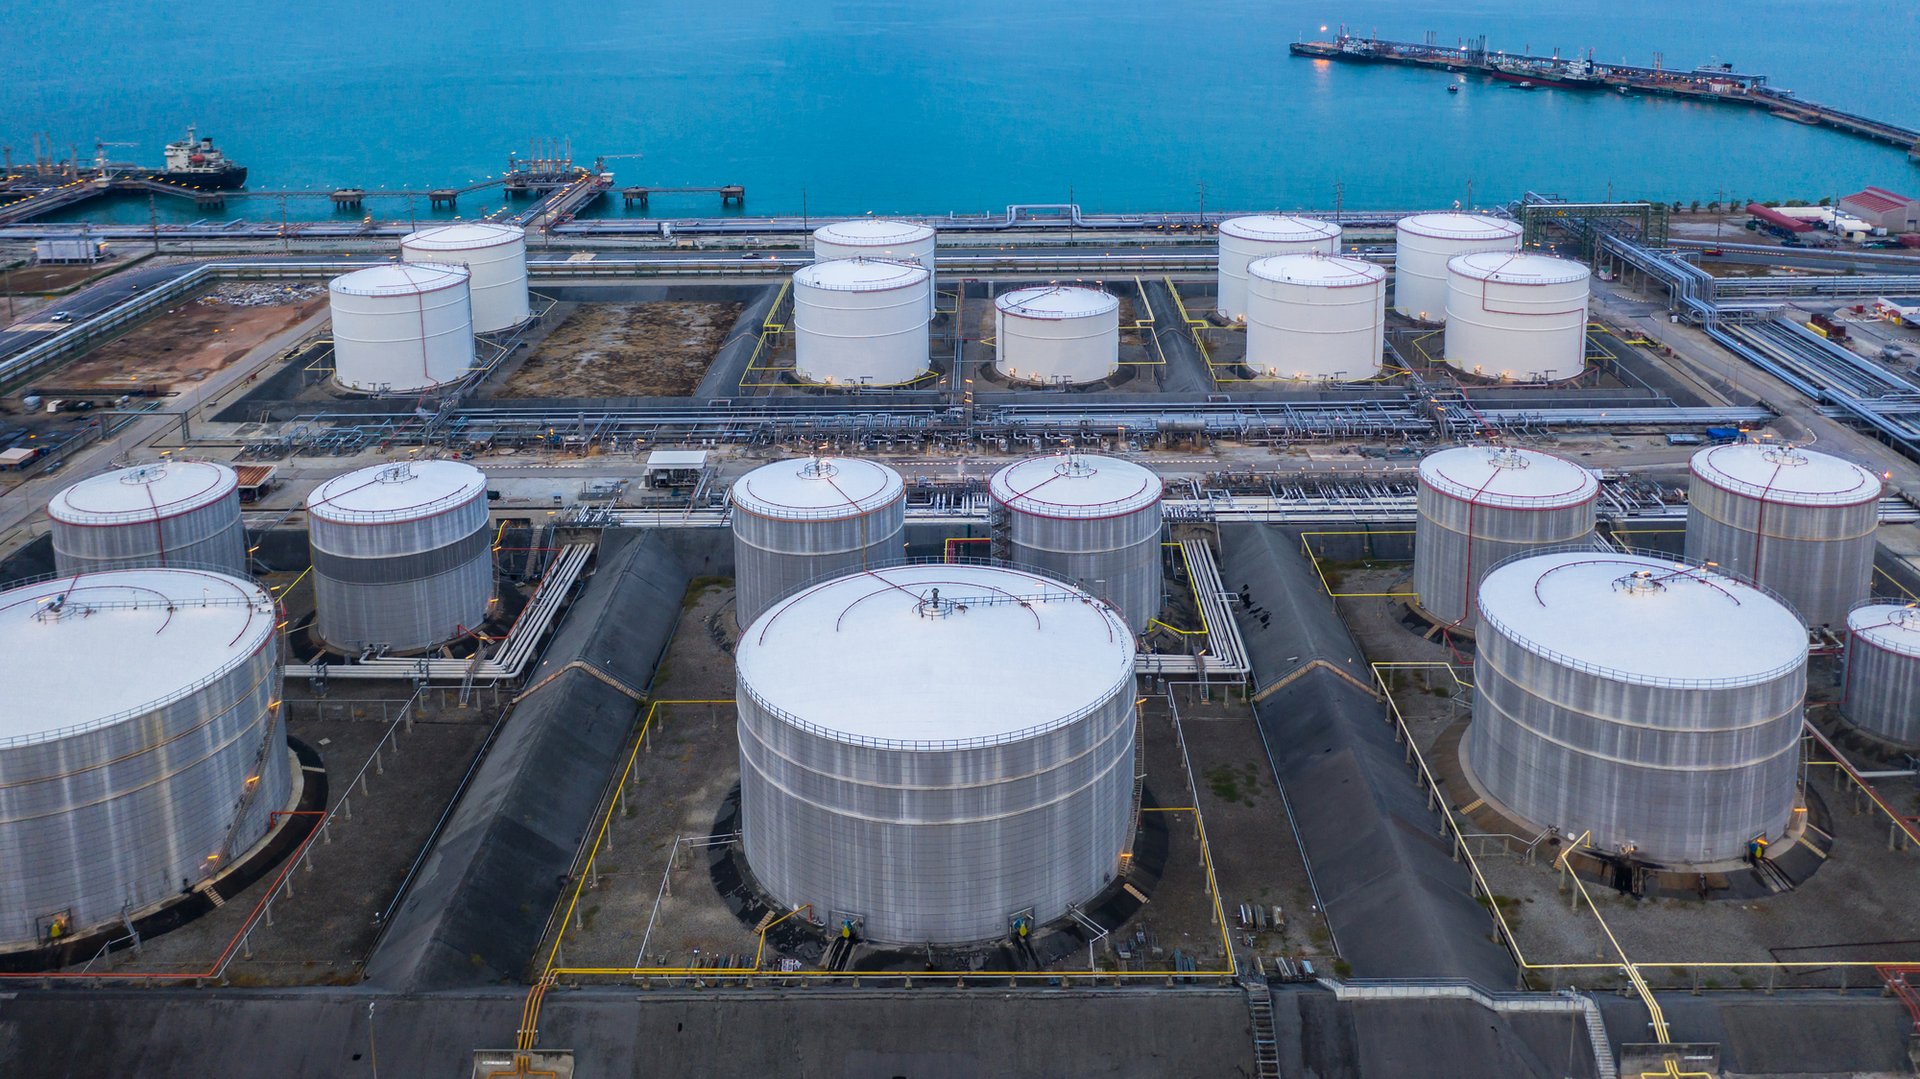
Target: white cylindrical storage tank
[(1654, 705), (1425, 243), (400, 328), (402, 556), (173, 512), (936, 750), (1881, 694), (860, 322), (141, 747), (1481, 505), (1793, 520), (879, 238), (1517, 316), (495, 256), (1315, 317), (1091, 520), (1245, 239), (798, 521), (1056, 335)]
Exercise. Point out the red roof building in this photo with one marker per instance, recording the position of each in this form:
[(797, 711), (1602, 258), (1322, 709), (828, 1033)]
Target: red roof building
[(1883, 209)]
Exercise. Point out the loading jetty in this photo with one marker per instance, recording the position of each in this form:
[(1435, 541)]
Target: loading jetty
[(1717, 83)]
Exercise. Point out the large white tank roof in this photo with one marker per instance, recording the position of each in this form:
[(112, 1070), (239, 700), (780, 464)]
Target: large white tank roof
[(1327, 271), (1075, 485), (1057, 302), (1450, 226), (408, 491), (1892, 626), (143, 493), (1509, 268), (871, 659), (1786, 474), (817, 488), (861, 275), (1508, 476), (467, 236), (1279, 228), (79, 652), (401, 279), (1642, 620), (873, 232)]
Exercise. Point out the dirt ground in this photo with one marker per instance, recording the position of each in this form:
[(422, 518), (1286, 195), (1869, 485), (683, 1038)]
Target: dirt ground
[(28, 280), (626, 350), (179, 347)]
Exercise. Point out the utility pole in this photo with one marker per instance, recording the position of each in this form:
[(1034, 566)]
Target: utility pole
[(1339, 196), (153, 222), (1203, 202)]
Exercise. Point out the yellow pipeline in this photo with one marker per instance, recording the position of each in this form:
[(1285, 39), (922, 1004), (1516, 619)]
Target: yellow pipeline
[(1327, 586)]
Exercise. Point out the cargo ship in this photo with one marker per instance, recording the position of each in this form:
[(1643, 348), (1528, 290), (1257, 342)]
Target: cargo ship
[(1570, 75), (196, 162)]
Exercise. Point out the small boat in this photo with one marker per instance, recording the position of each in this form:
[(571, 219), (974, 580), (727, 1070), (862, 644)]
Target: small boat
[(1523, 84), (1453, 88)]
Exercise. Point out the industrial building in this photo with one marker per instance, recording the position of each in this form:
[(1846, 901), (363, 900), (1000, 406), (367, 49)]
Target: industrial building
[(1246, 239), (1482, 505), (994, 786), (178, 512), (1883, 209), (402, 557), (1056, 335), (1672, 736), (1423, 246), (1790, 519), (1091, 520), (121, 790), (806, 519), (402, 328), (1315, 318), (495, 256)]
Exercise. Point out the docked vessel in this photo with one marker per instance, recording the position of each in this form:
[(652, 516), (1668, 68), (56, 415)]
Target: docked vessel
[(1571, 75), (196, 162)]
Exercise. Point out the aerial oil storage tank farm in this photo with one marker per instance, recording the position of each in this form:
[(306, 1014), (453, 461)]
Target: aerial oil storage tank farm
[(1246, 239), (114, 789), (1794, 520), (401, 328), (879, 238), (801, 520), (861, 322), (1425, 243), (1518, 317), (1315, 317), (495, 257), (1481, 505), (1652, 706), (1091, 520), (1056, 335), (172, 512), (402, 556), (995, 783), (1881, 690)]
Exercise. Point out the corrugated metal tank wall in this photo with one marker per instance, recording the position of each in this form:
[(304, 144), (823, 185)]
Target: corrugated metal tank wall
[(403, 585), (778, 549), (1682, 770), (1460, 536), (1881, 694), (204, 531), (118, 816), (936, 844), (1814, 547)]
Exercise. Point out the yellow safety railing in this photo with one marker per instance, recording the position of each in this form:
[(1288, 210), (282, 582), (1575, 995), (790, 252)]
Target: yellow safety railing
[(1327, 585)]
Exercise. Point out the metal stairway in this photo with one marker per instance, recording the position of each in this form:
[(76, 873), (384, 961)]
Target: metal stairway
[(1266, 1048)]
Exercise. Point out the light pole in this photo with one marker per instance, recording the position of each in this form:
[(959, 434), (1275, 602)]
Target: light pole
[(373, 1052)]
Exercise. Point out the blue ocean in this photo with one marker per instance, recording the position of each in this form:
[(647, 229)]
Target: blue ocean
[(849, 106)]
